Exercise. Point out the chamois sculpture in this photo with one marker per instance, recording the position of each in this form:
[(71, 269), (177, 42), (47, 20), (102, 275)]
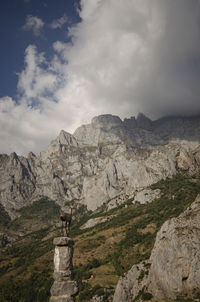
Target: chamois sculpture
[(66, 219)]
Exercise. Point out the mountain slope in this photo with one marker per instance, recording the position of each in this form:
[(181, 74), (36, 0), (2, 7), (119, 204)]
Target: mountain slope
[(172, 271), (102, 252), (107, 159), (124, 178)]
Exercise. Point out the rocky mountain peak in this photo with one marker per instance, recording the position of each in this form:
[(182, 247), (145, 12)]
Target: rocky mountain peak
[(66, 138), (106, 128), (58, 146), (143, 122), (14, 158), (102, 160), (106, 120), (13, 155), (130, 123), (31, 155)]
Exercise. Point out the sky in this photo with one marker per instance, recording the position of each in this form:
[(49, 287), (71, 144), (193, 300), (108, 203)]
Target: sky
[(66, 61)]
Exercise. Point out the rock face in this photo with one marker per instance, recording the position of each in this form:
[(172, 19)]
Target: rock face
[(174, 263), (94, 221), (175, 268), (131, 284), (17, 181), (146, 195), (64, 287), (106, 159)]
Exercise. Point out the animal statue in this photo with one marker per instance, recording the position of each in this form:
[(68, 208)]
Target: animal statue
[(66, 219)]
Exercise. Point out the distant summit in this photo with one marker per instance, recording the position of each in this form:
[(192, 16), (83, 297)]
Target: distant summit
[(106, 119), (101, 161), (140, 122)]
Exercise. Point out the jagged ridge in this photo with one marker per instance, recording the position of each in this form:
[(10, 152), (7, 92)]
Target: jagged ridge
[(107, 159)]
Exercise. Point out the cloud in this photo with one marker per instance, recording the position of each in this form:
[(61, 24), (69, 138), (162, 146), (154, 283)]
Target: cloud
[(33, 23), (124, 57), (37, 79), (58, 23)]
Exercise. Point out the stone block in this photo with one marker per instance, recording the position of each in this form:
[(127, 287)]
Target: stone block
[(63, 258), (60, 288), (64, 288), (63, 276), (63, 241), (61, 299)]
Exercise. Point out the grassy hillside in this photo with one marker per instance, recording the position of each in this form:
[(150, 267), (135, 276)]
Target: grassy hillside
[(102, 253)]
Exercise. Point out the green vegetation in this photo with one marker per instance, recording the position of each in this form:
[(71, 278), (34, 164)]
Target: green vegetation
[(4, 217), (25, 266), (144, 295), (83, 271), (102, 253), (147, 296), (87, 292), (35, 288), (177, 194), (46, 208)]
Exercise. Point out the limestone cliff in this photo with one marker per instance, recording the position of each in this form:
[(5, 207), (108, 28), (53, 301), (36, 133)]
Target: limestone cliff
[(174, 262), (102, 161)]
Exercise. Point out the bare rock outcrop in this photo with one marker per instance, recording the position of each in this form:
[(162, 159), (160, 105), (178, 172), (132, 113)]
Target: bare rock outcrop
[(94, 221), (102, 160), (174, 263), (146, 195), (17, 182), (132, 283), (175, 268)]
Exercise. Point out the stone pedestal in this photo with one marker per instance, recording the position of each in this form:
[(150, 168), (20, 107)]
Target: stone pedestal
[(64, 288)]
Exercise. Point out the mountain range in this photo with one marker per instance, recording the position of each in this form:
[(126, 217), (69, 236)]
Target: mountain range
[(124, 179), (106, 160)]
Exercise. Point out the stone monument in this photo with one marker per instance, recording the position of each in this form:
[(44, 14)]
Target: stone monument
[(64, 288)]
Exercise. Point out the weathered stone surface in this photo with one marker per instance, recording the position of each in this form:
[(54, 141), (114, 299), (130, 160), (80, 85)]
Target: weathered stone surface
[(102, 160), (60, 288), (96, 299), (64, 287), (175, 262), (63, 275), (131, 283), (63, 298), (175, 269), (17, 182), (63, 258), (146, 196), (94, 221), (63, 241)]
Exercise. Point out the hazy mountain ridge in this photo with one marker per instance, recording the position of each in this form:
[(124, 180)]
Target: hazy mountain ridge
[(102, 160)]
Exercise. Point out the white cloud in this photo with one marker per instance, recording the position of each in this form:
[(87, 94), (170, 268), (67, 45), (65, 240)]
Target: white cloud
[(36, 80), (124, 57), (58, 23), (33, 23)]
